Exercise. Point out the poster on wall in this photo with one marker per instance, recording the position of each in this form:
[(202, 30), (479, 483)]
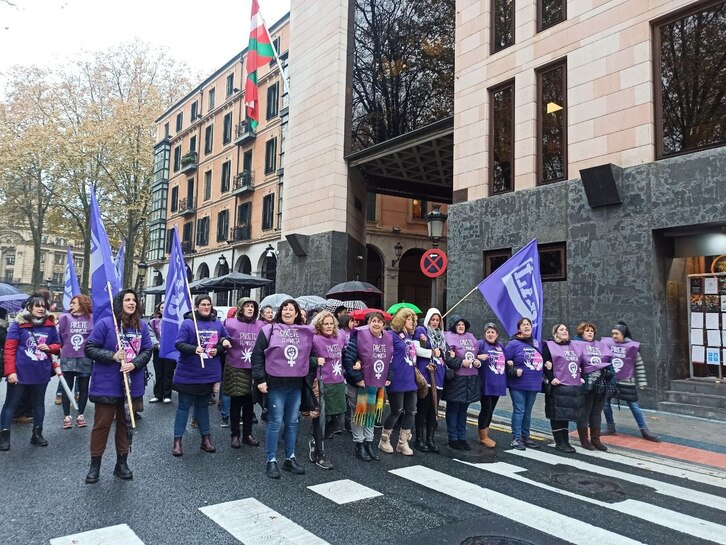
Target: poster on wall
[(710, 285), (696, 320), (712, 319), (698, 354), (696, 286), (697, 304), (713, 303), (713, 356), (723, 303), (713, 337)]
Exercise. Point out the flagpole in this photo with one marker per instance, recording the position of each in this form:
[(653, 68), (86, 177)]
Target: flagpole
[(127, 388), (194, 318), (274, 52), (459, 301)]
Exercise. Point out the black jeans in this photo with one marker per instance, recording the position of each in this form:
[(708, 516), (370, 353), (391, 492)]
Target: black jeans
[(401, 402), (488, 403), (426, 412), (560, 425), (163, 376), (594, 404), (12, 400), (247, 405), (70, 377)]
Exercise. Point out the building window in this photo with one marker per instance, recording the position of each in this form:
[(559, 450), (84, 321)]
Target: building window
[(202, 231), (222, 225), (690, 78), (166, 130), (230, 84), (169, 239), (271, 156), (501, 138), (552, 123), (493, 259), (208, 139), (276, 46), (177, 158), (207, 185), (227, 129), (187, 232), (42, 258), (371, 206), (10, 260), (550, 12), (179, 121), (193, 143), (553, 261), (268, 211), (77, 263), (273, 99), (8, 276), (502, 24), (419, 209), (243, 214), (174, 198), (59, 259), (210, 100), (57, 279), (195, 109), (226, 170)]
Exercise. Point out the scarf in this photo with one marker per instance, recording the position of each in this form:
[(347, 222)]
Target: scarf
[(436, 338), (368, 406)]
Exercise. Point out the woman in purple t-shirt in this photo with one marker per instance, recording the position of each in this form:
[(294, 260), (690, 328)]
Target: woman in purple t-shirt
[(74, 327)]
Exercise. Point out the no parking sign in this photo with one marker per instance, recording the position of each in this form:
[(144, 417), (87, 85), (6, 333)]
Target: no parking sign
[(433, 263)]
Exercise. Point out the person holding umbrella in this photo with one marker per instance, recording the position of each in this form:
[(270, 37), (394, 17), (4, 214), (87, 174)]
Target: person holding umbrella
[(111, 361)]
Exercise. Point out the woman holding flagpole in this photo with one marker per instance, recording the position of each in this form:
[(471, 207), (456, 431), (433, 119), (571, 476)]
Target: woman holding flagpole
[(107, 390), (74, 328)]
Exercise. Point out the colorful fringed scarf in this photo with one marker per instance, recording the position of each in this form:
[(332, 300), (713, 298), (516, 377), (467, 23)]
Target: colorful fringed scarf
[(369, 406)]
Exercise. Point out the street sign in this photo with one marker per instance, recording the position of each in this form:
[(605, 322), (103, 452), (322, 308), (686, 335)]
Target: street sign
[(433, 263)]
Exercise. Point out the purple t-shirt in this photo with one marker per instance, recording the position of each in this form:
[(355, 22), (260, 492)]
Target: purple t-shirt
[(565, 363), (243, 336), (624, 357), (73, 331), (493, 378), (594, 355), (466, 347), (528, 358), (288, 351), (375, 354), (331, 350)]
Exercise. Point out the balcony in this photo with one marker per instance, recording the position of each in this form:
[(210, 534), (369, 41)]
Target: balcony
[(189, 162), (243, 183), (244, 133), (187, 247), (186, 207), (239, 234)]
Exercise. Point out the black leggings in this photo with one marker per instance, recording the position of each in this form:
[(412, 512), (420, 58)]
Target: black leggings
[(594, 404), (426, 412), (487, 410), (401, 402), (332, 424), (70, 377), (246, 404), (163, 376)]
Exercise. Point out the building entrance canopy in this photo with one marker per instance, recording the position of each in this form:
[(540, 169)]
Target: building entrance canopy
[(418, 164)]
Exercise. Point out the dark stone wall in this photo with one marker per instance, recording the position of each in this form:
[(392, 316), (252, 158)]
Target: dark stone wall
[(617, 267)]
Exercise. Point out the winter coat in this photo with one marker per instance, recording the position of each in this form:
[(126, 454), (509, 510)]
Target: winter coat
[(564, 401), (21, 354)]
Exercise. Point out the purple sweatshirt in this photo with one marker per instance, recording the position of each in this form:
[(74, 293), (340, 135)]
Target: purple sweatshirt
[(404, 363), (189, 367), (527, 358)]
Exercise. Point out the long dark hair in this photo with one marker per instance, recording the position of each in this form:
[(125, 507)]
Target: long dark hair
[(130, 321), (278, 316)]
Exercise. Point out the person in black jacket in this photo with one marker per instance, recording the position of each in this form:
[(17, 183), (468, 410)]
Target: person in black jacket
[(564, 394)]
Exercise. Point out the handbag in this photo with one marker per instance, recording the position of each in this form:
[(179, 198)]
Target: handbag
[(421, 384), (308, 401)]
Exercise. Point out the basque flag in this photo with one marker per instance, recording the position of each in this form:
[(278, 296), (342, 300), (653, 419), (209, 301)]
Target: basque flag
[(118, 263), (71, 288), (102, 269), (514, 290), (176, 302)]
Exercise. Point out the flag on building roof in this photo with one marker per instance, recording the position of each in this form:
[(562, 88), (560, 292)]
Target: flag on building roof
[(259, 52)]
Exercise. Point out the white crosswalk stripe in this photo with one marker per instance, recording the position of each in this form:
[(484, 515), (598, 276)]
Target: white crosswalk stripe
[(120, 534), (635, 508), (344, 491), (534, 516)]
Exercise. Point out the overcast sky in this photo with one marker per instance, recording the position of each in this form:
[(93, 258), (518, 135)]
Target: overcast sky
[(203, 33)]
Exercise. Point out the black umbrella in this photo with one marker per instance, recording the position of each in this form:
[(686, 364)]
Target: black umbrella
[(7, 289), (353, 286), (195, 287), (233, 281)]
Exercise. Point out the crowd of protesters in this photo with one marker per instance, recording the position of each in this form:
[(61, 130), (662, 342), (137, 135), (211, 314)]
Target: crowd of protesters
[(327, 366)]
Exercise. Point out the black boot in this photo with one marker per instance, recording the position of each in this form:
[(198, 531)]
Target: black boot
[(4, 439), (94, 470), (420, 444), (122, 470), (37, 439), (562, 442), (430, 440), (648, 435), (595, 439), (372, 452), (362, 453)]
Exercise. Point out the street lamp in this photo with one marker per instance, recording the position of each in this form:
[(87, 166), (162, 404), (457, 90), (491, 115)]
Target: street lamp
[(140, 275), (222, 261), (398, 249), (435, 221)]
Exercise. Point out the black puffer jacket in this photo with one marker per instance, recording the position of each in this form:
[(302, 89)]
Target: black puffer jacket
[(562, 402), (460, 389)]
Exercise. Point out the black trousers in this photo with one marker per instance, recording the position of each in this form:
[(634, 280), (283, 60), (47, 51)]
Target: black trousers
[(426, 412), (247, 406), (488, 403), (594, 404), (401, 402), (163, 376)]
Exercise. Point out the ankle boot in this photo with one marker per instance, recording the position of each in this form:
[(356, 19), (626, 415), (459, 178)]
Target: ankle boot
[(430, 440), (485, 440), (94, 470), (373, 453), (4, 439), (648, 435), (206, 445), (420, 444), (37, 439), (361, 453), (384, 445), (610, 430), (176, 450), (595, 439), (584, 439), (121, 470), (562, 441), (402, 445)]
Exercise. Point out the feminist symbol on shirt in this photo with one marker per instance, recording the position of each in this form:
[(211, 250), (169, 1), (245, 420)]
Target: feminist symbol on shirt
[(573, 369), (77, 341), (291, 354), (469, 356), (378, 368), (618, 364)]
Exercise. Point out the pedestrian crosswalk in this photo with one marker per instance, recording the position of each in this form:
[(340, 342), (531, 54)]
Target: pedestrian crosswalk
[(680, 503)]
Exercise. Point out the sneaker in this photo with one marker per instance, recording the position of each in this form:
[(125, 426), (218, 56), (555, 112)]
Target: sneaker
[(323, 463), (530, 443), (167, 400), (311, 450), (517, 444), (81, 421), (225, 422), (58, 399), (67, 423), (154, 400)]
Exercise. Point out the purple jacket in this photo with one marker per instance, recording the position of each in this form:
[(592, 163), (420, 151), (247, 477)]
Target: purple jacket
[(189, 367), (21, 354), (106, 379), (74, 330), (528, 358), (403, 364), (492, 371)]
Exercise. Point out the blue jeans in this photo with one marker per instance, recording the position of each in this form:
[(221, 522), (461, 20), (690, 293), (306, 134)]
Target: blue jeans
[(224, 408), (522, 403), (201, 413), (456, 420), (283, 405), (12, 400), (634, 408)]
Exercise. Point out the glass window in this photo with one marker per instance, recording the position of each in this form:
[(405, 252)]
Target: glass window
[(419, 209), (210, 99), (193, 143), (177, 158), (493, 259), (208, 139), (268, 211), (207, 185), (552, 123), (195, 110), (690, 86), (271, 156), (230, 84), (169, 239), (227, 129), (273, 99), (187, 231), (10, 260), (553, 261), (370, 206), (222, 225), (174, 198), (502, 24), (179, 121), (226, 170), (550, 12), (202, 231), (501, 139), (166, 129)]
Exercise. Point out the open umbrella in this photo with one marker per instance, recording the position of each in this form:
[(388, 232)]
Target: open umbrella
[(233, 281), (398, 306), (311, 302), (274, 300), (361, 314), (354, 305), (7, 289), (13, 302), (352, 287), (332, 304)]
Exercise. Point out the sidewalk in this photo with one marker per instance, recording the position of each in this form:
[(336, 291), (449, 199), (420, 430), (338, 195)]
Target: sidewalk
[(685, 438)]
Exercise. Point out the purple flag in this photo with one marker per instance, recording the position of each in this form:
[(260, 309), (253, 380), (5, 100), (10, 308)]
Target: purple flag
[(102, 269), (176, 302), (71, 287), (514, 290)]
